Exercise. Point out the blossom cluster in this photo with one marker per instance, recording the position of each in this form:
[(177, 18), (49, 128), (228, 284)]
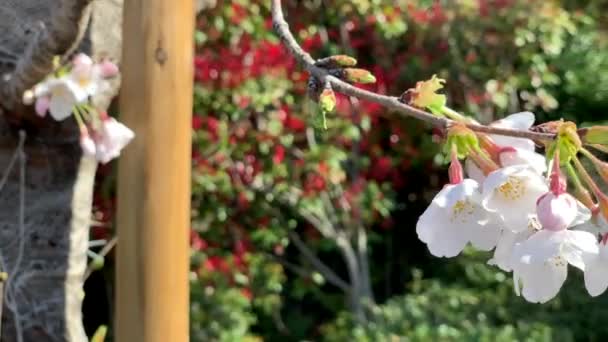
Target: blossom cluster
[(69, 91), (515, 201)]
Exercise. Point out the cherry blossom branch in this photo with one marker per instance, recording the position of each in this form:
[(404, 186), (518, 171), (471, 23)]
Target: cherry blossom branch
[(58, 38), (391, 102)]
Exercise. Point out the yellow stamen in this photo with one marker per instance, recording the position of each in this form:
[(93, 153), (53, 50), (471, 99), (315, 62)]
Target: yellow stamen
[(461, 211), (513, 189)]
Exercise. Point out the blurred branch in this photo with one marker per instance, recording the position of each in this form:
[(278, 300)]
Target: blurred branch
[(104, 251), (390, 102), (327, 272), (354, 273), (363, 259)]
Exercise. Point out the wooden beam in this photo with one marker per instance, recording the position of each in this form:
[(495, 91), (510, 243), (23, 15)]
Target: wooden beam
[(153, 218)]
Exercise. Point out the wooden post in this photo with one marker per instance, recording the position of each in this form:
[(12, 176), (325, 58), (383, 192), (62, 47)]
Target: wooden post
[(153, 218)]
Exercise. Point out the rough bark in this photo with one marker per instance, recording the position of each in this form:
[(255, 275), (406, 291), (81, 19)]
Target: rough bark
[(45, 261)]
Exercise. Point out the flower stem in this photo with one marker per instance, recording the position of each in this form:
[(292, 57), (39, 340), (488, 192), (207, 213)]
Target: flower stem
[(600, 166), (585, 175), (79, 119), (581, 193), (589, 155), (600, 148), (483, 161)]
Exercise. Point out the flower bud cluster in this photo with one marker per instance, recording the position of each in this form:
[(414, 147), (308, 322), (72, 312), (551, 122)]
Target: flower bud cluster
[(69, 92), (516, 202)]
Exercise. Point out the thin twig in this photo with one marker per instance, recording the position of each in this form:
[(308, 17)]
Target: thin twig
[(3, 277), (327, 272), (390, 102), (6, 298), (104, 251)]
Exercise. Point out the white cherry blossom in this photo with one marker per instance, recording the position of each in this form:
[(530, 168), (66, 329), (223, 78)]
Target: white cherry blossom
[(508, 239), (512, 192), (455, 218), (111, 139), (91, 76), (540, 264), (63, 94), (83, 73)]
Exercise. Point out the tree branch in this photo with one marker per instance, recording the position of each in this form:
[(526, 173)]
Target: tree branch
[(327, 272), (59, 38), (390, 102)]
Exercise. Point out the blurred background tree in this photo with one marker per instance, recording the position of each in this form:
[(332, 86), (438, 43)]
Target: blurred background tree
[(304, 233)]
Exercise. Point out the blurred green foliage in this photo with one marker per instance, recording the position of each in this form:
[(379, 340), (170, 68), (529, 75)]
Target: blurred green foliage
[(474, 302), (254, 147)]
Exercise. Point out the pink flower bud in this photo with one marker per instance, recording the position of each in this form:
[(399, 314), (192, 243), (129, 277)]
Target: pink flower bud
[(455, 171), (556, 212), (558, 183), (42, 105), (107, 69)]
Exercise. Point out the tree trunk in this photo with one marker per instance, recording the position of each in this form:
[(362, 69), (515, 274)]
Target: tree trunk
[(45, 257)]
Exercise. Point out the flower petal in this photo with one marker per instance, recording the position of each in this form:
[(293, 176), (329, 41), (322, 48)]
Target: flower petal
[(577, 246), (519, 121), (41, 89), (473, 171), (540, 247), (42, 105), (442, 239), (596, 278), (485, 237), (454, 218), (520, 156), (596, 271), (583, 214), (452, 193), (61, 107), (540, 282), (512, 193), (503, 254)]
